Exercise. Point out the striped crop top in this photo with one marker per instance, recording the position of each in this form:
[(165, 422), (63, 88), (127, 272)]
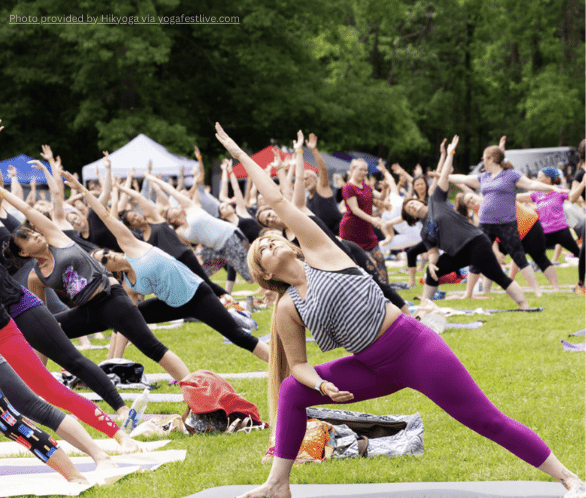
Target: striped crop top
[(341, 308)]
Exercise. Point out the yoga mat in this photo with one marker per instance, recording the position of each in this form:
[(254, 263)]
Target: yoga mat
[(568, 346), (580, 333), (471, 325), (479, 489), (153, 398), (238, 375), (54, 484), (169, 325), (40, 477), (12, 448), (528, 310), (81, 348)]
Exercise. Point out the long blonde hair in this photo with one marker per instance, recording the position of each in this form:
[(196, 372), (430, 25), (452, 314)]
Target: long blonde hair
[(278, 365)]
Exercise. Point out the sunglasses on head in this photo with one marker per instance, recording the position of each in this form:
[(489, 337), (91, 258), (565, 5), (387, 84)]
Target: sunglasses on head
[(104, 259)]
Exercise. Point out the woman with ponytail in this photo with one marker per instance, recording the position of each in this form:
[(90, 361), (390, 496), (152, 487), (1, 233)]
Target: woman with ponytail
[(323, 290)]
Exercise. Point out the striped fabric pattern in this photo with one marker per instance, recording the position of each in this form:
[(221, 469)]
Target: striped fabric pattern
[(340, 309)]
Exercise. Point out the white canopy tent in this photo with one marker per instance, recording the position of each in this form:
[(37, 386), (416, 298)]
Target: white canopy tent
[(137, 154)]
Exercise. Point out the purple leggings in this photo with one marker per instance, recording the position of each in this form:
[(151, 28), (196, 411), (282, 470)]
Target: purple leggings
[(408, 354)]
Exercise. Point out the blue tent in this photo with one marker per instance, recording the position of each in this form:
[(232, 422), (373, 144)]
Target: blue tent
[(370, 159), (24, 171)]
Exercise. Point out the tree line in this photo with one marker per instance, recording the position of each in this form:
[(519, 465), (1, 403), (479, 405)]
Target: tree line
[(390, 77)]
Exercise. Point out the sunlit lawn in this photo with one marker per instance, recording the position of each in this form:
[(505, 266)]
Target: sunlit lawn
[(516, 358)]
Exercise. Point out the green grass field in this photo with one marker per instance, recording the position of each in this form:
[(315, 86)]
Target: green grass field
[(516, 358)]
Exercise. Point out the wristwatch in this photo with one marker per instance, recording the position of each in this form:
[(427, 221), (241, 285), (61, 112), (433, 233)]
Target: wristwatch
[(318, 387)]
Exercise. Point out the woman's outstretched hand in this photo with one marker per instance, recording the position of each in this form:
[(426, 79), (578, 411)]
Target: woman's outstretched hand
[(454, 144), (230, 145), (37, 164), (72, 181), (312, 142), (297, 144), (443, 147), (335, 394)]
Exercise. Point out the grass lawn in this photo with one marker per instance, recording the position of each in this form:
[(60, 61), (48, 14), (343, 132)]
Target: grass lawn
[(516, 358)]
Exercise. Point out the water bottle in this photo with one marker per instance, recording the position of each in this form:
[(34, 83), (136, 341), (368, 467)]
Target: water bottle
[(136, 412)]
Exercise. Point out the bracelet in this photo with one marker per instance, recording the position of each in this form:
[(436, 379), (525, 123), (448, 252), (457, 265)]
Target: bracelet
[(85, 191), (2, 193), (198, 157), (299, 151), (453, 152)]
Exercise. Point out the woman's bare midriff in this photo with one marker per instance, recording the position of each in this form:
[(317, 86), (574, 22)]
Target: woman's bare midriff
[(392, 313)]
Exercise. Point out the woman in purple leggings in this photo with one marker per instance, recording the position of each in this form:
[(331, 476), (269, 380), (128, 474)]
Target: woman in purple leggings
[(322, 288)]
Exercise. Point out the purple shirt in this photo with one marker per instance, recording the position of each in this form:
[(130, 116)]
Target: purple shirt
[(550, 207), (498, 196)]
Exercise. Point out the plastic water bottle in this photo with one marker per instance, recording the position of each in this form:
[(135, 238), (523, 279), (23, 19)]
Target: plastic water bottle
[(136, 411)]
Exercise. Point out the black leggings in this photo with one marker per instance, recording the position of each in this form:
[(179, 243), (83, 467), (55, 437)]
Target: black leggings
[(189, 259), (509, 237), (565, 239), (43, 333), (477, 252), (15, 427), (112, 310), (362, 259), (205, 306), (413, 252), (582, 262), (534, 245), (27, 402)]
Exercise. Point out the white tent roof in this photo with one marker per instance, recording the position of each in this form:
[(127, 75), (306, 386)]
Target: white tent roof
[(137, 154)]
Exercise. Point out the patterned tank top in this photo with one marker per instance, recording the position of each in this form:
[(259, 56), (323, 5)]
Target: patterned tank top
[(341, 308)]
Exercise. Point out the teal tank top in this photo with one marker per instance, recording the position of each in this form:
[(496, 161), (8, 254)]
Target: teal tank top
[(162, 275)]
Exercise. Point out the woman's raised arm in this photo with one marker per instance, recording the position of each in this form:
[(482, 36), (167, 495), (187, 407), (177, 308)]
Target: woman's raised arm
[(107, 185), (183, 200), (125, 238), (148, 210), (238, 198), (58, 211), (42, 224), (315, 244), (469, 180), (446, 168), (224, 197), (299, 185), (439, 169), (527, 184)]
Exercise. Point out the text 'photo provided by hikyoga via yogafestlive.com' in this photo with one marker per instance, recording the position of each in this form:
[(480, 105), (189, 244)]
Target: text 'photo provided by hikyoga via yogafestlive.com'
[(118, 20)]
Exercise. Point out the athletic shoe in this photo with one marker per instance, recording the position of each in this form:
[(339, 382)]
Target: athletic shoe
[(580, 290)]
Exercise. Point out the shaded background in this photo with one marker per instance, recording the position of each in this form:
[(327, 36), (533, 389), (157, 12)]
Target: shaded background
[(388, 77)]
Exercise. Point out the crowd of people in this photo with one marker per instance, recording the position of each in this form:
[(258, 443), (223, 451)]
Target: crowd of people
[(84, 263)]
